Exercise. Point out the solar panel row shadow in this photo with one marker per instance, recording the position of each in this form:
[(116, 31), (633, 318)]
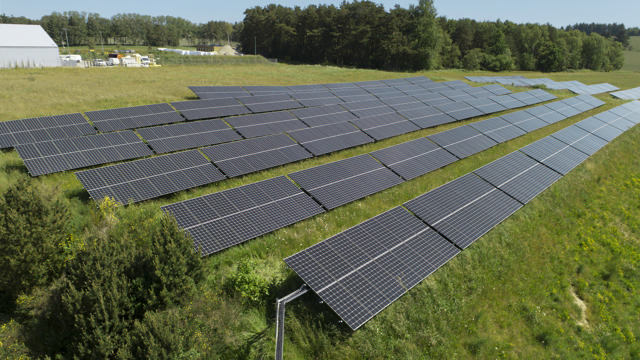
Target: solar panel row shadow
[(133, 117), (25, 131), (190, 135), (247, 156), (227, 218), (149, 178), (344, 181), (67, 154), (364, 269)]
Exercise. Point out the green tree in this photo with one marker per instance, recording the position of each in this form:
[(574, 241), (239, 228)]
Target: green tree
[(32, 231), (551, 58)]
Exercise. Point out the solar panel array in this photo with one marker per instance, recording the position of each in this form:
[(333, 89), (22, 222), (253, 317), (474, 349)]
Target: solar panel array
[(149, 178), (344, 181), (362, 270), (247, 156), (227, 218), (189, 135), (573, 86), (67, 154), (255, 125), (133, 117), (324, 139), (414, 158), (630, 94), (210, 108), (25, 131)]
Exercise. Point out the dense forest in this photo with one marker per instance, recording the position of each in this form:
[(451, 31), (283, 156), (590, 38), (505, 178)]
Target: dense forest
[(362, 34)]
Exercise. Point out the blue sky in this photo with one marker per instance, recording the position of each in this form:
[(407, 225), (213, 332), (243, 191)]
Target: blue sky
[(555, 12)]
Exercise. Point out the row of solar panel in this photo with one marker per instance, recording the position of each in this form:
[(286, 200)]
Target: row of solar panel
[(24, 131), (344, 181), (318, 140), (631, 94), (576, 87), (364, 269), (243, 157)]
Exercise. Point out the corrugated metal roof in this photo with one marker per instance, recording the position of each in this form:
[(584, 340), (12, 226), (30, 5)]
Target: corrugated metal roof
[(18, 35)]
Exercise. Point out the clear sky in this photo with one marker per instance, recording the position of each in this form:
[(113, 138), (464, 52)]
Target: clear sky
[(556, 12)]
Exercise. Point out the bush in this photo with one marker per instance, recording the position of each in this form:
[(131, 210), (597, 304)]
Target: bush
[(142, 264), (248, 282), (32, 231)]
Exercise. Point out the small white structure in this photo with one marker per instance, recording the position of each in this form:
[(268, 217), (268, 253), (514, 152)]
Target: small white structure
[(27, 46)]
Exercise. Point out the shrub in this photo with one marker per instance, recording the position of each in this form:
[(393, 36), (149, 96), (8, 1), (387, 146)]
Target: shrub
[(32, 231)]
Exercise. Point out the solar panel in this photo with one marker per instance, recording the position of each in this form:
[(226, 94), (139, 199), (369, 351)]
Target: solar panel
[(341, 86), (368, 108), (508, 101), (266, 89), (542, 95), (316, 98), (525, 98), (396, 82), (190, 135), (462, 141), (414, 158), (386, 92), (478, 92), (427, 116), (433, 99), (323, 115), (457, 84), (456, 95), (459, 110), (519, 176), (321, 140), (498, 129), (307, 88), (524, 120), (362, 270), (344, 181), (149, 178), (555, 154), (218, 92), (385, 126), (206, 109), (246, 156), (591, 124), (370, 84), (497, 89), (254, 125), (403, 102), (630, 94), (546, 114), (220, 220), (67, 154), (464, 209), (133, 117), (486, 105), (570, 134), (25, 131), (563, 108), (265, 103)]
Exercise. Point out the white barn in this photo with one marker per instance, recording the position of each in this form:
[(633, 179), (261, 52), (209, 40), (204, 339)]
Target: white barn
[(26, 46)]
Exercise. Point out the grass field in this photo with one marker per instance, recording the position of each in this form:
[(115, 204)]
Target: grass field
[(513, 294), (632, 57)]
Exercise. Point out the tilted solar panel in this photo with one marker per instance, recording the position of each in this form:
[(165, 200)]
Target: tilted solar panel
[(133, 117), (385, 126), (190, 135), (246, 156), (462, 141), (254, 125), (207, 109), (321, 140), (344, 181), (220, 220), (149, 178), (31, 130)]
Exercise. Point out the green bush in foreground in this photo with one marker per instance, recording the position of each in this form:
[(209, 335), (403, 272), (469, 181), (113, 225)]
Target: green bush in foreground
[(32, 231)]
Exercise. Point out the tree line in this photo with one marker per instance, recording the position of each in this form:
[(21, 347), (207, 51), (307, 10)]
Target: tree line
[(81, 29), (363, 34)]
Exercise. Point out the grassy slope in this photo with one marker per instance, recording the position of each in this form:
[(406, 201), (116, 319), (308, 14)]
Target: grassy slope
[(632, 57), (508, 295)]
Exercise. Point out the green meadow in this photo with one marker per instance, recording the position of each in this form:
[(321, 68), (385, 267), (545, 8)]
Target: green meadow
[(632, 56), (559, 279)]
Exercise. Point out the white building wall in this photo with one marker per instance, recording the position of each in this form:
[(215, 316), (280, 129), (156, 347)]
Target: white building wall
[(24, 57)]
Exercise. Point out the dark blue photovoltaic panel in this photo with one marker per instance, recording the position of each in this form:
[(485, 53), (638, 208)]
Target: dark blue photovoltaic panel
[(323, 115), (149, 178), (218, 92), (546, 114), (25, 131), (255, 125), (555, 154), (344, 181), (464, 209), (486, 105), (246, 156), (518, 175), (364, 269), (68, 154), (316, 98), (220, 220), (385, 126), (207, 109), (414, 158), (426, 117), (498, 129), (265, 103), (459, 110), (190, 135), (462, 141), (321, 140), (133, 117)]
